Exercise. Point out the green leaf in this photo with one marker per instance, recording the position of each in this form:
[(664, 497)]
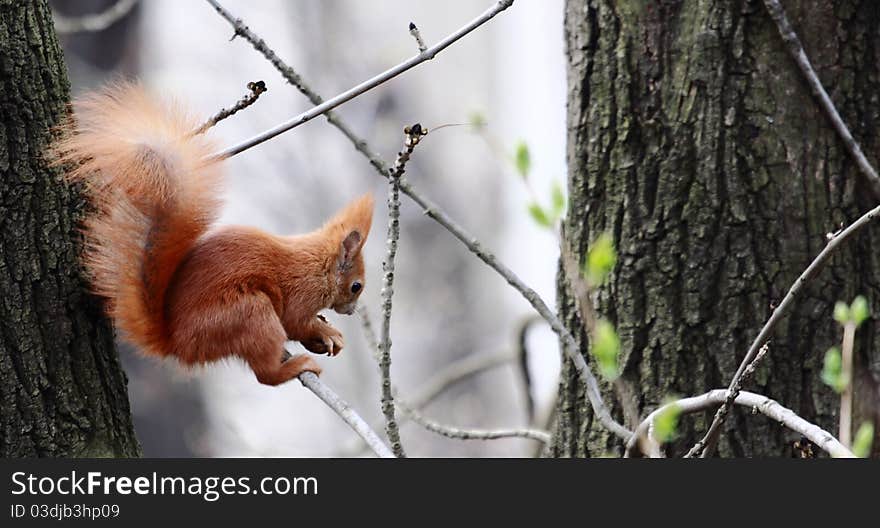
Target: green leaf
[(600, 259), (859, 310), (477, 119), (558, 198), (522, 159), (841, 313), (832, 370), (540, 215), (666, 423), (606, 348), (864, 438)]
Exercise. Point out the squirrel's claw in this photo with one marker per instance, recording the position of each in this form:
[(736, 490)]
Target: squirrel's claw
[(338, 344)]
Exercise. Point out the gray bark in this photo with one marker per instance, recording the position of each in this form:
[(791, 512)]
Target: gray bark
[(62, 391)]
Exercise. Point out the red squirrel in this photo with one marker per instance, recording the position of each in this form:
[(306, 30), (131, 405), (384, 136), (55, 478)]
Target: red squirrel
[(174, 284)]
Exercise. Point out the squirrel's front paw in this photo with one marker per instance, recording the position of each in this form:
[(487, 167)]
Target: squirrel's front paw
[(330, 342)]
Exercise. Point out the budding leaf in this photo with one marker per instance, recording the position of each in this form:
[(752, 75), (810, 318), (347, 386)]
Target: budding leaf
[(842, 313), (666, 423), (522, 159), (832, 370), (600, 259), (477, 119), (558, 199), (606, 348), (540, 216), (859, 310), (861, 446)]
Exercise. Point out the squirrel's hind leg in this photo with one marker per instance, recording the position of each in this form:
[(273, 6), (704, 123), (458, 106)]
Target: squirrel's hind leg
[(265, 353)]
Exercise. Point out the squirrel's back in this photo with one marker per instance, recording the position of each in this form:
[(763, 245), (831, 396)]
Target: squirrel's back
[(154, 194)]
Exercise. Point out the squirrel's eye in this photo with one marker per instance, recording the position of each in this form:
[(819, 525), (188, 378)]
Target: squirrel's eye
[(356, 286)]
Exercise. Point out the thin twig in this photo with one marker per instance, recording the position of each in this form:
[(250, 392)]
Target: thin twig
[(472, 434), (587, 311), (445, 378), (413, 136), (340, 407), (365, 86), (414, 31), (757, 402), (456, 372), (721, 414), (796, 50), (436, 384), (369, 332), (471, 243), (292, 77), (846, 372), (97, 22), (522, 356), (257, 88)]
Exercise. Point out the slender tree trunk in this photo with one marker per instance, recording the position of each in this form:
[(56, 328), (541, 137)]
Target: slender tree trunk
[(694, 140), (62, 392)]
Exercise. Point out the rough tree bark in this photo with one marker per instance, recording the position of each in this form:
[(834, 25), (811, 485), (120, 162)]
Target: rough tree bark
[(695, 141), (62, 392)]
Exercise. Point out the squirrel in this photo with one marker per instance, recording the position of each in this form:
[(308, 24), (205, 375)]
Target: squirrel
[(175, 284)]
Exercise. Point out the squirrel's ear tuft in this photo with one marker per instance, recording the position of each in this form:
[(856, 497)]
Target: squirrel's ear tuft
[(358, 216), (353, 225)]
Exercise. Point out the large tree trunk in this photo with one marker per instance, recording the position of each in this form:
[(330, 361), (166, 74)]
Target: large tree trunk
[(695, 141), (62, 392)]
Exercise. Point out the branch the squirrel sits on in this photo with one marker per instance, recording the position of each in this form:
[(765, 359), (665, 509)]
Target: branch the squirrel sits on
[(176, 285)]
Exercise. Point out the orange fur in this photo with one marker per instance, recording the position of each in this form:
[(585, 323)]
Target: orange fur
[(175, 287)]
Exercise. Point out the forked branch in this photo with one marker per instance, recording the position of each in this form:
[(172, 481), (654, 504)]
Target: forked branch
[(758, 403)]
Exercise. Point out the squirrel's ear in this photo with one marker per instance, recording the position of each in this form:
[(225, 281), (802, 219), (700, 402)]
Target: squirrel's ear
[(349, 250), (350, 227)]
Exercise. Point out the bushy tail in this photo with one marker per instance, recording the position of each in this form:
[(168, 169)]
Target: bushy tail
[(153, 193)]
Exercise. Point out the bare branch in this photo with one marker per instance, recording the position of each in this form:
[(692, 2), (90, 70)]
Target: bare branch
[(96, 22), (294, 79), (445, 378), (758, 403), (413, 136), (472, 434), (340, 407), (471, 243), (257, 88), (587, 311), (796, 50), (703, 448), (456, 372), (365, 86), (522, 356), (846, 399), (369, 333), (434, 386)]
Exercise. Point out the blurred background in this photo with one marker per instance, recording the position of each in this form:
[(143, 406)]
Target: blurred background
[(448, 305)]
